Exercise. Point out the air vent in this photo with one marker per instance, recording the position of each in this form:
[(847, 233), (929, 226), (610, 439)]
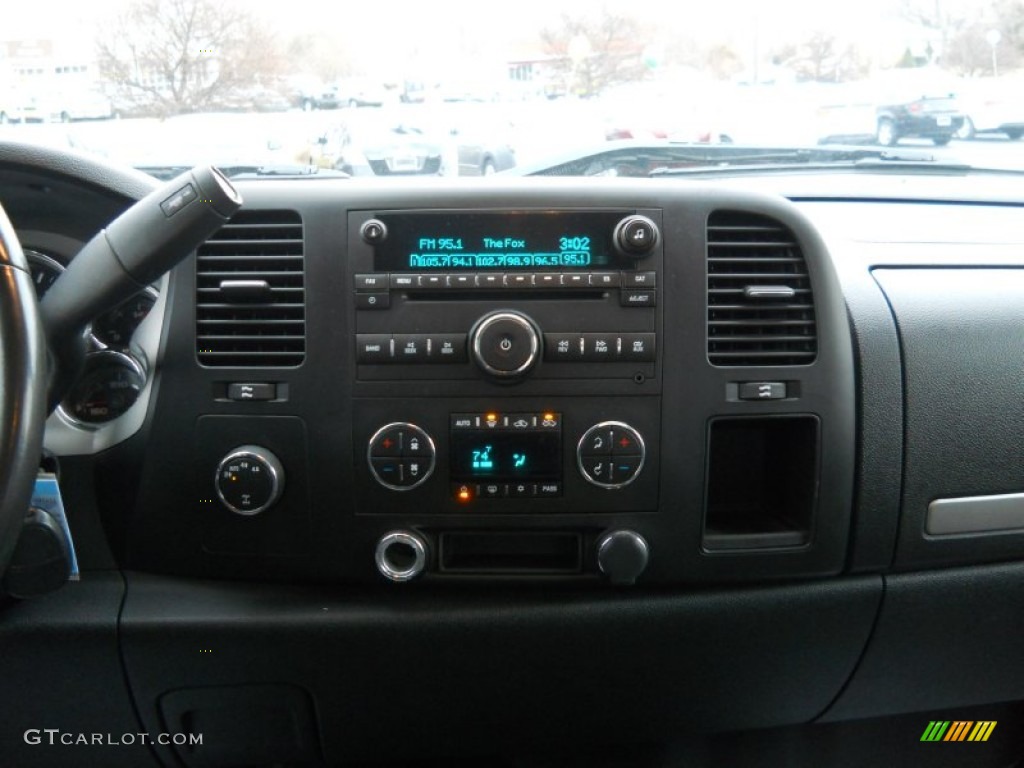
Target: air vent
[(250, 308), (760, 307)]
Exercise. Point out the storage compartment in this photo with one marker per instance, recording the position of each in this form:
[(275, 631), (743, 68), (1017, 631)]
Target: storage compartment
[(520, 552), (762, 480)]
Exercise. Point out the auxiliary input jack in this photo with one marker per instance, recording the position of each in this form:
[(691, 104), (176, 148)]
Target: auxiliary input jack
[(401, 556)]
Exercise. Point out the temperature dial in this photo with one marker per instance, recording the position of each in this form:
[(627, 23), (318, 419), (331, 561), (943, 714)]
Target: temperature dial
[(401, 456), (610, 455), (249, 480)]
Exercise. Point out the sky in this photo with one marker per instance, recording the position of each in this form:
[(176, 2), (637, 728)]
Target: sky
[(387, 30)]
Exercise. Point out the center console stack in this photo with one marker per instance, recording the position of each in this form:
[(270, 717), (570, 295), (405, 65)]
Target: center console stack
[(655, 385)]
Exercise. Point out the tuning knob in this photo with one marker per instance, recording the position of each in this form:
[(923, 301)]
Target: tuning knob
[(636, 236), (505, 344), (622, 556)]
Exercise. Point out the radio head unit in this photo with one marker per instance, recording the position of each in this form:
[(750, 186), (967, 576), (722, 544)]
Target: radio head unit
[(528, 241)]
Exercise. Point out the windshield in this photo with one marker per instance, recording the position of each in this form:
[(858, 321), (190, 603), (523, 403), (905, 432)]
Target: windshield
[(454, 88)]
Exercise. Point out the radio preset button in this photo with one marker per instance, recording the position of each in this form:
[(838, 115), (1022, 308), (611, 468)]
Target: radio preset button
[(490, 281), (575, 280), (461, 281), (615, 466), (548, 280), (521, 280), (430, 282)]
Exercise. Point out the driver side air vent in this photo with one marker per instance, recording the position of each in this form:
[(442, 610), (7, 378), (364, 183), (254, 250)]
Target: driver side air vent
[(250, 292), (760, 307)]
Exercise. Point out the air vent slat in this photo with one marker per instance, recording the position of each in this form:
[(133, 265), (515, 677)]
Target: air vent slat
[(265, 247), (751, 251)]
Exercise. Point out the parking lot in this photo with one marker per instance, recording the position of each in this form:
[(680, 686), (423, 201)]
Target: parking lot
[(535, 130)]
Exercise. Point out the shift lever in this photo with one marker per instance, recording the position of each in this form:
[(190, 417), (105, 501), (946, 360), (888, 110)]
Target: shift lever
[(139, 246)]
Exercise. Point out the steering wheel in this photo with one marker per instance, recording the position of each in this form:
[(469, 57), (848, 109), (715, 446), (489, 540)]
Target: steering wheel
[(22, 388)]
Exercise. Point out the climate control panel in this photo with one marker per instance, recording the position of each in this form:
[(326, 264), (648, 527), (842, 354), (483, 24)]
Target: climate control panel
[(519, 460)]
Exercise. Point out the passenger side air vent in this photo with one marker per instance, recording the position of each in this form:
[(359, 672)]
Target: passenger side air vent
[(250, 292), (760, 307)]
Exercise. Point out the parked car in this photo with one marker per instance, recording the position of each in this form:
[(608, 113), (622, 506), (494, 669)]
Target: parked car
[(917, 104), (364, 92), (477, 142), (384, 147), (992, 106)]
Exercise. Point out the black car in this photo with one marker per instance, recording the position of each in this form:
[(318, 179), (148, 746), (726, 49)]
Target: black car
[(935, 117)]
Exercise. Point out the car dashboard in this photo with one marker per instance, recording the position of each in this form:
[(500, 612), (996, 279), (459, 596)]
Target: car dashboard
[(439, 471)]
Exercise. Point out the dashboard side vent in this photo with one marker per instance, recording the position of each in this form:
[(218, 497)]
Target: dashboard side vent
[(250, 292), (760, 306)]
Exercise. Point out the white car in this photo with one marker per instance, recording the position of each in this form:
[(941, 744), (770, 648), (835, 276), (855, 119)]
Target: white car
[(992, 106)]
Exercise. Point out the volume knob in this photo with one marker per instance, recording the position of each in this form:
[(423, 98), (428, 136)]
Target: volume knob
[(505, 344)]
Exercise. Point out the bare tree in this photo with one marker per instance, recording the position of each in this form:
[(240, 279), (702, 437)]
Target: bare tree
[(594, 53), (173, 56)]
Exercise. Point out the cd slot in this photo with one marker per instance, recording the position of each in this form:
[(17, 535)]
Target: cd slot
[(511, 552), (505, 295)]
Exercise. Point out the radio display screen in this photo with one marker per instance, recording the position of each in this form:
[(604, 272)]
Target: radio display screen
[(509, 241)]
